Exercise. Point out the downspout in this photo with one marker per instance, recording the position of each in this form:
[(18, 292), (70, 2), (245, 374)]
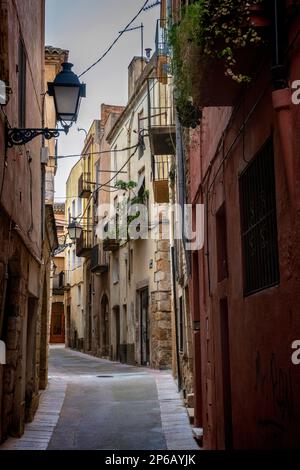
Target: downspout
[(5, 282), (43, 175), (174, 281), (281, 94)]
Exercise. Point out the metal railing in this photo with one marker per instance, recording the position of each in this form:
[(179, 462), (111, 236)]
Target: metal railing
[(84, 185), (160, 104), (161, 38), (160, 167), (58, 281), (85, 242), (99, 259)]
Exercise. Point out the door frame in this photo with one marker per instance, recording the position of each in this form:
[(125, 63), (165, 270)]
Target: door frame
[(144, 345)]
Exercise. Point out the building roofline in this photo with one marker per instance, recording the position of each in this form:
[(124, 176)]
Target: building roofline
[(151, 65)]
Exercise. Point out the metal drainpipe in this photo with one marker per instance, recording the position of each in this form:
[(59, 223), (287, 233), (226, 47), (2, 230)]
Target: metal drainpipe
[(281, 94), (43, 171), (5, 284), (3, 299)]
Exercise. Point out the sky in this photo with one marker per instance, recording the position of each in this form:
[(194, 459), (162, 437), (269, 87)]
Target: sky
[(86, 28)]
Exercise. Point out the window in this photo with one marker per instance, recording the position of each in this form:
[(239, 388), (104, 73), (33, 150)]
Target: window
[(221, 232), (140, 133), (131, 262), (97, 171), (73, 259), (79, 206), (259, 223), (73, 208), (22, 84), (78, 295), (115, 162), (116, 270), (141, 185)]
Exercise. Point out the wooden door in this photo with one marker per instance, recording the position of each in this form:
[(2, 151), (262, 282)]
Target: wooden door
[(57, 329)]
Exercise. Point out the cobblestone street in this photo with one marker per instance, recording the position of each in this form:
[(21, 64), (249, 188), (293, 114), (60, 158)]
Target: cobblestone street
[(93, 404)]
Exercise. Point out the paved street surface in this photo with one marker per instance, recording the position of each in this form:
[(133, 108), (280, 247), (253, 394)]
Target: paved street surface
[(93, 404)]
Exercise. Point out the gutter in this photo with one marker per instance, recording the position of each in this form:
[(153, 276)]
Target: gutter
[(281, 94)]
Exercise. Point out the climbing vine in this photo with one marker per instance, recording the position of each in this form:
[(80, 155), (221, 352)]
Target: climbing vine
[(133, 199), (210, 29)]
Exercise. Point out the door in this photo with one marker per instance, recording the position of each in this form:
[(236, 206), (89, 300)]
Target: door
[(104, 326), (118, 332), (57, 330), (145, 343), (226, 380), (69, 326)]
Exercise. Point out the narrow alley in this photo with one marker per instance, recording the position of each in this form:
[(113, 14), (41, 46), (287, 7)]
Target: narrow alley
[(95, 404), (149, 227)]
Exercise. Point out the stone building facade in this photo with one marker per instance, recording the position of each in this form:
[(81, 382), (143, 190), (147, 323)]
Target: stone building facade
[(74, 274), (57, 316), (140, 277), (27, 231)]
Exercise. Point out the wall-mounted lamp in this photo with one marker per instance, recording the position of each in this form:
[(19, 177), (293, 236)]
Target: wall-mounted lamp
[(67, 92), (74, 230)]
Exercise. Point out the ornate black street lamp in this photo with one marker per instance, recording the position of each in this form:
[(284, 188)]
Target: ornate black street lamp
[(74, 230), (67, 92)]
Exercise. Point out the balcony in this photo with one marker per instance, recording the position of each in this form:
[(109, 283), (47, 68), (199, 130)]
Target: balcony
[(84, 186), (84, 244), (214, 66), (161, 119), (111, 244), (160, 171), (162, 50), (58, 283), (67, 281), (99, 260)]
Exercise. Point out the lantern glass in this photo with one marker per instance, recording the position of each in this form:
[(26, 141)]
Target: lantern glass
[(75, 231), (67, 102), (67, 92)]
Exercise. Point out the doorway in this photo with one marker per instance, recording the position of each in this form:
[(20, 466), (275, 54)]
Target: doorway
[(116, 311), (69, 341), (145, 327), (104, 326), (226, 379), (30, 387), (57, 328)]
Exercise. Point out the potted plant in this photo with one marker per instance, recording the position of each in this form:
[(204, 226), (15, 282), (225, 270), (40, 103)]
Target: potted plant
[(214, 47)]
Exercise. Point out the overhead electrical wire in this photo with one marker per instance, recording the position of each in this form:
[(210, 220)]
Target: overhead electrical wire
[(107, 183), (116, 40), (59, 157)]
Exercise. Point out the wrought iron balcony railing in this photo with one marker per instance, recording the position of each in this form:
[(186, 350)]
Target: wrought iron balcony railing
[(84, 185), (99, 260), (160, 174), (84, 244), (161, 118), (58, 283)]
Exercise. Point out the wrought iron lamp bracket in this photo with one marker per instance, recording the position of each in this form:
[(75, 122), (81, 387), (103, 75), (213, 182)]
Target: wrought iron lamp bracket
[(15, 136)]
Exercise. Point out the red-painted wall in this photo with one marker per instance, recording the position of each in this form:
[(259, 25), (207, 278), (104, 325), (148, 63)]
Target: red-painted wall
[(265, 385)]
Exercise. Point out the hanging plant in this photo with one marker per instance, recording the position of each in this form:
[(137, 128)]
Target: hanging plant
[(213, 30), (133, 199), (189, 115)]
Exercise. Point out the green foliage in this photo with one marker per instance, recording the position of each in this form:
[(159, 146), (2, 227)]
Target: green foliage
[(210, 29), (140, 198), (120, 184)]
